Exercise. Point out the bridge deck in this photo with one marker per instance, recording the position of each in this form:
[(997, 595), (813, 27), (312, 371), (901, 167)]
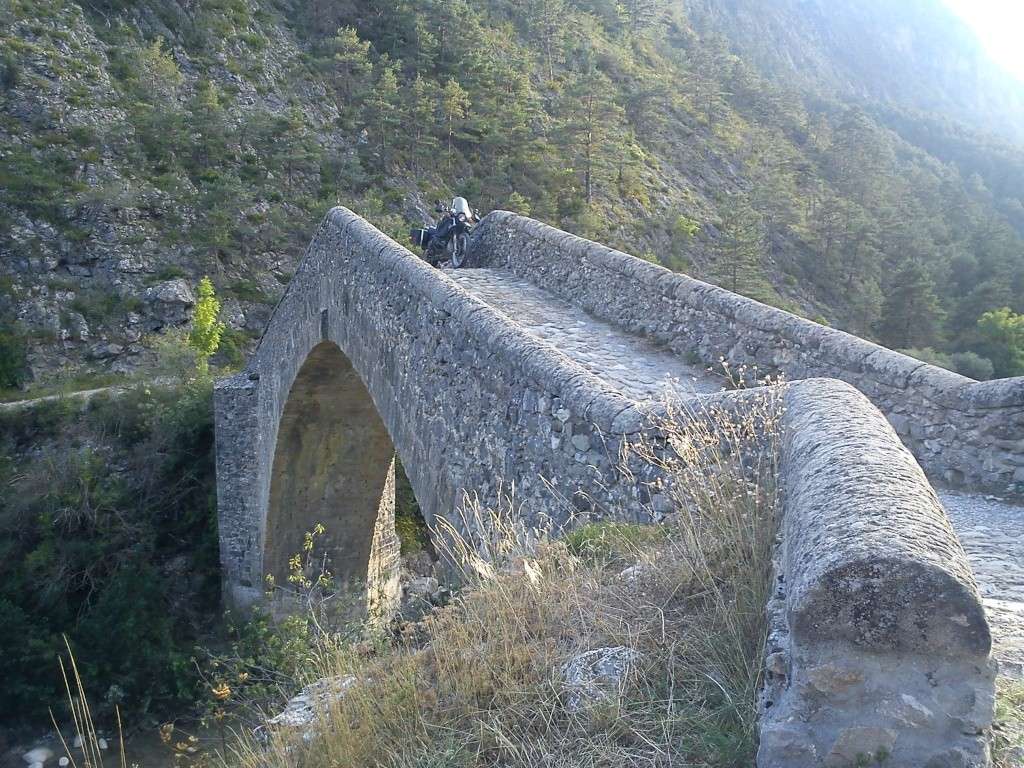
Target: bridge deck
[(991, 533), (637, 367)]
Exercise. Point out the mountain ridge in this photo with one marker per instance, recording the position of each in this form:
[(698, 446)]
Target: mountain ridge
[(149, 142)]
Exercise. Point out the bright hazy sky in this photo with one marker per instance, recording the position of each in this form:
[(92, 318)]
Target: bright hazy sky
[(999, 24)]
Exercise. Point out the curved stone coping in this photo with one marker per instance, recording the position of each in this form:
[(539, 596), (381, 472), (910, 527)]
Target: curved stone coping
[(869, 556), (584, 393), (852, 352)]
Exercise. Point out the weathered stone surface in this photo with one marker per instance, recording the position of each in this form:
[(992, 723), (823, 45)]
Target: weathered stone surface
[(877, 610), (302, 711), (596, 676), (692, 317), (372, 352)]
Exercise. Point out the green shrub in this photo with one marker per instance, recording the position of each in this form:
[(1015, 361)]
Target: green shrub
[(610, 542), (249, 290), (973, 365), (930, 356), (109, 537), (100, 306), (10, 73), (13, 357)]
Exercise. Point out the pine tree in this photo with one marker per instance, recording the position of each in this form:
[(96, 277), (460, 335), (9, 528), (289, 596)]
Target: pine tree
[(545, 21), (593, 131), (384, 110), (642, 14), (911, 314), (350, 66), (740, 251), (454, 107), (421, 108)]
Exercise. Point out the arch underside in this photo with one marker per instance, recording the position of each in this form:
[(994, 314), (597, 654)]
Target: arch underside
[(334, 464)]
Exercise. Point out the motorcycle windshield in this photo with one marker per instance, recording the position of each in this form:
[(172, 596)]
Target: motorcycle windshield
[(459, 205)]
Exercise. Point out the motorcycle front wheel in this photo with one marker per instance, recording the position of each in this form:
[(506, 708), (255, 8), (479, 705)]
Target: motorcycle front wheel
[(460, 245)]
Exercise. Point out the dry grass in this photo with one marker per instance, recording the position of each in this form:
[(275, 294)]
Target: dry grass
[(1008, 734), (89, 754), (478, 682)]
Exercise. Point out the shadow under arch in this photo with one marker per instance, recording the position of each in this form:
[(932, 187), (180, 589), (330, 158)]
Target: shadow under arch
[(334, 463)]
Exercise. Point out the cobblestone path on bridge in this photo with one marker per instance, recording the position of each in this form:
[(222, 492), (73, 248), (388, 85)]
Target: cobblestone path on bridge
[(992, 532), (632, 364)]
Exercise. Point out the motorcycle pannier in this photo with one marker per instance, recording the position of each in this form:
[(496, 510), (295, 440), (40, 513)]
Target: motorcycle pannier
[(420, 237)]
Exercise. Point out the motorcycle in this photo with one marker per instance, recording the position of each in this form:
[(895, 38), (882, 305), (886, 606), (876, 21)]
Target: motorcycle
[(448, 240)]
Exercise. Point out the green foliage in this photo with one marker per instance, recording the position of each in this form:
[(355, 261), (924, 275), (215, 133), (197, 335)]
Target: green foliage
[(1001, 339), (621, 121), (98, 305), (739, 266), (207, 328), (973, 365), (249, 290), (931, 356), (610, 543), (10, 72), (912, 315), (13, 357), (109, 536)]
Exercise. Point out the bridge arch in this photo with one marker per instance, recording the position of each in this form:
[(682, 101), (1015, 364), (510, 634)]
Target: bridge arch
[(334, 463), (371, 352)]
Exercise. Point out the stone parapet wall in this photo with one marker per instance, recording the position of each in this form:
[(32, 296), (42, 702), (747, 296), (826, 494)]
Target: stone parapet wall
[(964, 433), (879, 647)]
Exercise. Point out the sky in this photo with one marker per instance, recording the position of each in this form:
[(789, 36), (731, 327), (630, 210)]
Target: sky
[(998, 24)]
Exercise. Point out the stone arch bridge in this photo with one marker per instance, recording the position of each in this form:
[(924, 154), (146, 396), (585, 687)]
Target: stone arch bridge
[(525, 375)]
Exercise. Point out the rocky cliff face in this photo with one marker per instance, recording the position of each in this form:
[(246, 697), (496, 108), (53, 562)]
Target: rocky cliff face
[(100, 245)]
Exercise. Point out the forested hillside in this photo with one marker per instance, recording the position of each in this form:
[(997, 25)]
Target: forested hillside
[(145, 143)]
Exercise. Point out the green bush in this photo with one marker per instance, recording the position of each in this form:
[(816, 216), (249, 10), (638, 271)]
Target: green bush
[(973, 365), (13, 358), (10, 73), (109, 537), (610, 542), (101, 306), (930, 356)]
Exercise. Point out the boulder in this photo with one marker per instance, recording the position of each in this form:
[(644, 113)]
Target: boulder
[(596, 676)]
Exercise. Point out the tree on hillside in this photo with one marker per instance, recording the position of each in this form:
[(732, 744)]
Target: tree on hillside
[(859, 157), (421, 108), (156, 76), (209, 121), (454, 108), (545, 21), (207, 328), (384, 110), (642, 14), (593, 130), (911, 313), (350, 68), (740, 250)]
